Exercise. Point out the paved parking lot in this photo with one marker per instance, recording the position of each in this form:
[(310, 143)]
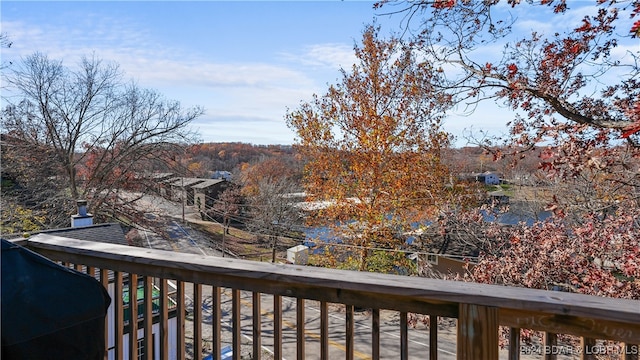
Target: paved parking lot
[(167, 231)]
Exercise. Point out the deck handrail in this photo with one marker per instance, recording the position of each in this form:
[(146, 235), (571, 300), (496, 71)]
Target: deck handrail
[(479, 308)]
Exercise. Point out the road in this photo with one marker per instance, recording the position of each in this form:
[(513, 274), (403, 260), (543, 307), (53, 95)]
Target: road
[(389, 329), (179, 235)]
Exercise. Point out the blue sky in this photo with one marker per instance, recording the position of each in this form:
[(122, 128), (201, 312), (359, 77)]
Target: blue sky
[(244, 62)]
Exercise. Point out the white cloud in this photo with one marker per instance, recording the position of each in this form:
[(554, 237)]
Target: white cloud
[(73, 42), (332, 56), (147, 63), (210, 74), (255, 130), (256, 95)]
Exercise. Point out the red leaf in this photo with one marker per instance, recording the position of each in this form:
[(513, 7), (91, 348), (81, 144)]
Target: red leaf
[(635, 29), (586, 26), (444, 4), (546, 154), (630, 130)]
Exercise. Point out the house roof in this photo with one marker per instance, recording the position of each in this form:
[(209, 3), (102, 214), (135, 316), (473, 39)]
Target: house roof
[(161, 176), (111, 233), (107, 233), (186, 181), (207, 183), (169, 180)]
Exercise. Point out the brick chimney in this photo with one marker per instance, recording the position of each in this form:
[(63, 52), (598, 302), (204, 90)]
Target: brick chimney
[(82, 218)]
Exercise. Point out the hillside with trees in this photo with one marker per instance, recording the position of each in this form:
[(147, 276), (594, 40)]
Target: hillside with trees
[(377, 169), (204, 158)]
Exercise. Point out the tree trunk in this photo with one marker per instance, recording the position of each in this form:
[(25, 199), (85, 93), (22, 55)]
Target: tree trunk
[(224, 235), (364, 254), (71, 172), (274, 242)]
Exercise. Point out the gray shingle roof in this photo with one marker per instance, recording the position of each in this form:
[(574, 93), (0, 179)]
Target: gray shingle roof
[(207, 183), (106, 233), (185, 181)]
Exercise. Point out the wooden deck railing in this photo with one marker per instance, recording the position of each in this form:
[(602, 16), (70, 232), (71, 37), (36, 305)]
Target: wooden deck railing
[(479, 309)]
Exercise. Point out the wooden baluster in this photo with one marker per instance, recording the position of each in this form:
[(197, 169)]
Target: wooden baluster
[(375, 334), (514, 344), (433, 337), (148, 318), (104, 280), (350, 332), (164, 320), (181, 349), (118, 316), (133, 316), (257, 326), (237, 325), (216, 320), (197, 321), (587, 344), (324, 331), (404, 336), (477, 332), (277, 327), (300, 348), (550, 341), (631, 351)]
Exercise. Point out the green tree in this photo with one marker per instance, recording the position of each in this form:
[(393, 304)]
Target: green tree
[(17, 219)]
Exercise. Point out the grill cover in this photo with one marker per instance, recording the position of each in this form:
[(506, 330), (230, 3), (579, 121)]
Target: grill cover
[(49, 311)]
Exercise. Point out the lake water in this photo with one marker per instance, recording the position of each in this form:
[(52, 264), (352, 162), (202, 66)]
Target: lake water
[(517, 213)]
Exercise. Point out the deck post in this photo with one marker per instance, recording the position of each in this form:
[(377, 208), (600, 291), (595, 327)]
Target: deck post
[(477, 332)]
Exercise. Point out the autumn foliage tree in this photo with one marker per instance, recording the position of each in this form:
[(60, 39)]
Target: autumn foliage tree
[(596, 257), (585, 73), (83, 133), (226, 206), (266, 186), (575, 87), (575, 92), (372, 146)]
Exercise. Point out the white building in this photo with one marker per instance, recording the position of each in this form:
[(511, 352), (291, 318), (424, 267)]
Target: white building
[(488, 178), (155, 341)]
